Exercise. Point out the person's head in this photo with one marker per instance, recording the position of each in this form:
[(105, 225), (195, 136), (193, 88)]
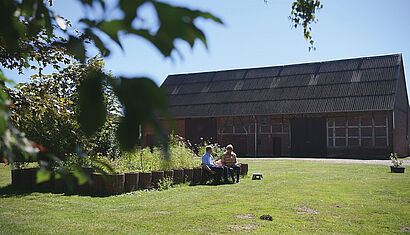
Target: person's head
[(229, 148), (208, 149)]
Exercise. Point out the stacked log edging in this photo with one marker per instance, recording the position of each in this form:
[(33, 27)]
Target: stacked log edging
[(169, 174), (145, 180), (131, 181), (244, 169), (188, 175), (97, 185), (109, 184), (178, 176), (114, 184), (157, 176), (197, 175), (24, 177)]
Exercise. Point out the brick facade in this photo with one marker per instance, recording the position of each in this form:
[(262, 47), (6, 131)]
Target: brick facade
[(347, 134), (346, 107)]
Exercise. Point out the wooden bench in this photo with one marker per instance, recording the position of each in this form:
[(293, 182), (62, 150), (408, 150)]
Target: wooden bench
[(207, 174)]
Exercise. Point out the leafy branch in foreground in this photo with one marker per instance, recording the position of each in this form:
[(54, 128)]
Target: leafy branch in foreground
[(27, 36), (303, 14), (33, 22)]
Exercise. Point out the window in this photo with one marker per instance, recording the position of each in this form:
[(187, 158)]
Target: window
[(358, 131)]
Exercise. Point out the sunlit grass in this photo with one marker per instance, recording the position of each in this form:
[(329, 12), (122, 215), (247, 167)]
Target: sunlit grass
[(302, 197)]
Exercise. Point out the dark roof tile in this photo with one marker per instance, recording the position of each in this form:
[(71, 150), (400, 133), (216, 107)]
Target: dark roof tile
[(361, 84)]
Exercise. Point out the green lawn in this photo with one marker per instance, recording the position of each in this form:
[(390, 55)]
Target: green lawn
[(302, 198)]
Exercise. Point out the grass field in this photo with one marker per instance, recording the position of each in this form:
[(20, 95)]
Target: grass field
[(302, 198)]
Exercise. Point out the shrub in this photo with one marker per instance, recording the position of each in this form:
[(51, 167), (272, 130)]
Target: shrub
[(46, 109), (24, 165), (140, 160), (165, 184), (147, 159), (180, 155), (217, 150), (395, 160), (72, 160)]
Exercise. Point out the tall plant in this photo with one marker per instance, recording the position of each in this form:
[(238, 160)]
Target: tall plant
[(46, 109), (217, 149)]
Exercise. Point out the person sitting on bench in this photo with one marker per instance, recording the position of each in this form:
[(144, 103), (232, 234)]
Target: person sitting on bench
[(209, 164), (229, 161)]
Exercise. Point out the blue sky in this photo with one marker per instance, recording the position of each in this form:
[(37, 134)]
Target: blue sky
[(256, 34)]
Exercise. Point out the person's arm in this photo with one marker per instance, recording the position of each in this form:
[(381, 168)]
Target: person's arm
[(234, 156), (223, 159), (205, 160), (206, 167)]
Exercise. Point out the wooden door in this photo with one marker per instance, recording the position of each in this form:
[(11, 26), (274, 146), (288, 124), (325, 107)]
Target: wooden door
[(308, 137)]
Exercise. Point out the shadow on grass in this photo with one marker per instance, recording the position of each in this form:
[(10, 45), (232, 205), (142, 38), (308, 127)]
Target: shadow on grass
[(12, 191), (17, 192)]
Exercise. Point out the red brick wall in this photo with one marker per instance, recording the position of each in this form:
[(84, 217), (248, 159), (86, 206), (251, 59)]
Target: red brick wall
[(239, 143), (177, 126), (400, 131), (401, 112), (244, 142), (366, 134), (272, 134)]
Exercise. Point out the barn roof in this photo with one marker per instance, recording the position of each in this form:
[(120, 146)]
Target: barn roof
[(360, 84)]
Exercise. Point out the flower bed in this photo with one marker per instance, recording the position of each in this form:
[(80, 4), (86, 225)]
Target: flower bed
[(142, 169)]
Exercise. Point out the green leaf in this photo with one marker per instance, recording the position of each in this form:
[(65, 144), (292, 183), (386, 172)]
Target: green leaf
[(178, 23), (90, 2), (99, 165), (303, 14), (76, 47), (112, 28), (93, 110), (81, 176), (11, 29), (43, 175), (140, 98), (87, 2), (130, 7), (3, 123), (98, 43)]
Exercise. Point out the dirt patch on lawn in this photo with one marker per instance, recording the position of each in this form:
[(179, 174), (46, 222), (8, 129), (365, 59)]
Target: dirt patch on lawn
[(246, 227), (163, 212), (245, 216), (405, 229), (305, 210)]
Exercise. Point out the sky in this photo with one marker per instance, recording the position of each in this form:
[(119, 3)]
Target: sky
[(255, 34)]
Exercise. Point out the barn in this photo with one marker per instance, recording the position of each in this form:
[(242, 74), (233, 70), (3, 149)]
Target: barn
[(349, 107)]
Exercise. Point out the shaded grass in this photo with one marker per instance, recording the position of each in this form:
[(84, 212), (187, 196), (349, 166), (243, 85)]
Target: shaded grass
[(348, 199)]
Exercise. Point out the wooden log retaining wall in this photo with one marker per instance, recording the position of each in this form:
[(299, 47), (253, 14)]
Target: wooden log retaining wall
[(109, 184)]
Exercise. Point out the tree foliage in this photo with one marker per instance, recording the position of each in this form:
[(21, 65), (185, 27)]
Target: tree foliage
[(47, 110), (28, 34), (303, 14)]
